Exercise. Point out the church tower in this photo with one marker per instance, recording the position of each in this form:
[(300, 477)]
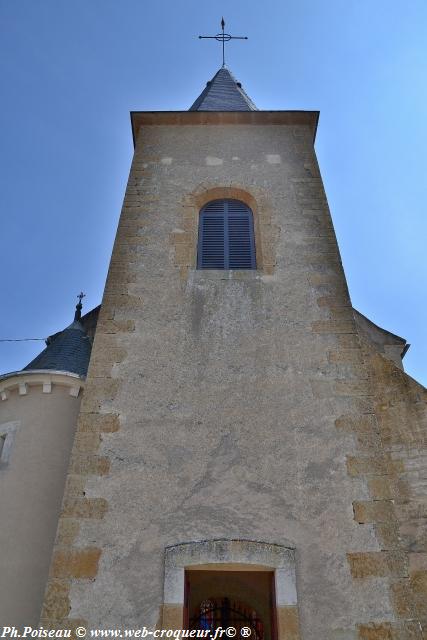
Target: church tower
[(249, 452)]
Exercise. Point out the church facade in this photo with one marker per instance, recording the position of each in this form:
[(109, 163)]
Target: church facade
[(249, 451)]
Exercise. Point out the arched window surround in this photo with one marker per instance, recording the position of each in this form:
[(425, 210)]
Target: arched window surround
[(257, 203), (184, 238)]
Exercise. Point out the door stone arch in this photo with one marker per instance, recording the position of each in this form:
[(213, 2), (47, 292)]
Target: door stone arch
[(232, 555)]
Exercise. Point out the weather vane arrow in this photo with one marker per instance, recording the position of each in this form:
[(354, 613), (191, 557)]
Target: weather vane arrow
[(223, 37)]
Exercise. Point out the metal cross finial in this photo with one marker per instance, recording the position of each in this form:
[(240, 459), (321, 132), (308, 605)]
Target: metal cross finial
[(223, 37)]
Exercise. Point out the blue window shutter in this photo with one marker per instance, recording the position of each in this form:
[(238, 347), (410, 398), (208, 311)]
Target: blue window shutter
[(211, 250), (240, 232), (226, 236)]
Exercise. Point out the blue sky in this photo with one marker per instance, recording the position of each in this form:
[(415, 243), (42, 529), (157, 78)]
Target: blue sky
[(71, 70)]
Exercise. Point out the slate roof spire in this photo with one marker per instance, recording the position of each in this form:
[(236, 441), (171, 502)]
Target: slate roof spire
[(223, 93), (69, 350)]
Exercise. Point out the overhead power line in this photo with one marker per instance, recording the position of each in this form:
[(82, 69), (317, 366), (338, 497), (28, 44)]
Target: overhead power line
[(20, 339)]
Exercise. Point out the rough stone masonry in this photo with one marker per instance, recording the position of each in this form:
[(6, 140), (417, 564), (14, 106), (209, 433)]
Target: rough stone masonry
[(240, 405)]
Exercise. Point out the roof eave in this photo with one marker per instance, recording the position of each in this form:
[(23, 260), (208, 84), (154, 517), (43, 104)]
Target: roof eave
[(38, 372), (149, 118)]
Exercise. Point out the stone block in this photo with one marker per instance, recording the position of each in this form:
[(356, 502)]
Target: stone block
[(133, 241), (75, 485), (94, 508), (335, 303), (172, 617), (76, 563), (388, 535), (414, 534), (101, 369), (318, 279), (380, 488), (288, 623), (104, 341), (402, 599), (180, 237), (418, 582), (360, 424), (406, 630), (375, 631), (417, 562), (348, 341), (87, 441), (118, 326), (105, 422), (68, 529), (378, 564), (56, 604), (321, 388), (373, 511), (124, 301), (89, 465), (416, 509), (353, 387), (329, 326), (99, 390), (346, 356), (379, 465)]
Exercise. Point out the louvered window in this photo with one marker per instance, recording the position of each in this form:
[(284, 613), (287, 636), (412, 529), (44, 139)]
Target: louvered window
[(226, 236)]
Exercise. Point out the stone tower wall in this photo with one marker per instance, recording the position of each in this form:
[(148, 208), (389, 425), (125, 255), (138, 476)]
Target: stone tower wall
[(228, 405)]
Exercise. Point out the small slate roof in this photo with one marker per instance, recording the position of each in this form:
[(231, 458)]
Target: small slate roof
[(223, 93), (68, 351)]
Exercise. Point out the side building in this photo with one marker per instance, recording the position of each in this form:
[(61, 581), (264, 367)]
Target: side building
[(38, 415)]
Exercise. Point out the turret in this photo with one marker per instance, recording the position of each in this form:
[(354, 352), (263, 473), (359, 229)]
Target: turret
[(38, 413)]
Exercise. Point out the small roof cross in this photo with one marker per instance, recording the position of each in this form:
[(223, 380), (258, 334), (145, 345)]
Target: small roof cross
[(223, 37), (78, 313)]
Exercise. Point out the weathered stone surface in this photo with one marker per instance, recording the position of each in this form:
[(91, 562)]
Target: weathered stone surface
[(106, 423), (381, 631), (57, 602), (376, 511), (172, 617), (378, 563), (288, 623), (89, 465), (85, 507), (248, 408), (80, 563), (68, 529)]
